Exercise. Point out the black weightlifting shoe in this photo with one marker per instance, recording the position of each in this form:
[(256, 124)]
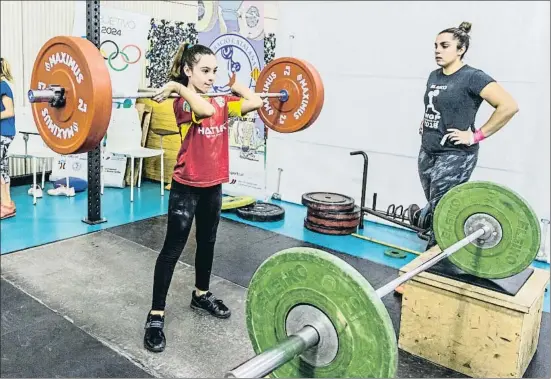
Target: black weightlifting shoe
[(207, 303), (154, 339), (432, 240)]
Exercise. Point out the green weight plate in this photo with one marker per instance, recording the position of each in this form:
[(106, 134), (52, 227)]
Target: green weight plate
[(233, 202), (301, 276), (518, 226)]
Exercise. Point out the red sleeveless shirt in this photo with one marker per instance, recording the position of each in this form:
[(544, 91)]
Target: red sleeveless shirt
[(203, 159)]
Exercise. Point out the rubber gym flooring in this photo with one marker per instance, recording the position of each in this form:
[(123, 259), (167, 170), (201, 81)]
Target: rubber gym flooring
[(74, 298)]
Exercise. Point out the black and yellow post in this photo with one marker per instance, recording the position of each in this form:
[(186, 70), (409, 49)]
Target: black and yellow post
[(94, 156)]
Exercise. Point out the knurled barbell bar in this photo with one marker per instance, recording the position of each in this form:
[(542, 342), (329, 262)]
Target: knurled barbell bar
[(310, 314), (55, 95), (71, 94)]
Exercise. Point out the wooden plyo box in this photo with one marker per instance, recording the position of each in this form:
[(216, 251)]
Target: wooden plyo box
[(469, 329)]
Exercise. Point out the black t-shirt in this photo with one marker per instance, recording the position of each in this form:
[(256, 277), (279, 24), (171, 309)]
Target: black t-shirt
[(451, 101)]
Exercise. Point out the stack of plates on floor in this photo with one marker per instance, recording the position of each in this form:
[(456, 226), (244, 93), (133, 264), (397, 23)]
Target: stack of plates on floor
[(331, 213)]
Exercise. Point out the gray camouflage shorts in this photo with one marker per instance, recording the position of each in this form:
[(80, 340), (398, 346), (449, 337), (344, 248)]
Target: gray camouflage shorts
[(5, 142), (441, 172)]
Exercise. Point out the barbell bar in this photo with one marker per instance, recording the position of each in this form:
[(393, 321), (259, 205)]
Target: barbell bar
[(391, 286), (71, 94), (270, 360), (54, 95), (483, 228), (308, 337), (283, 95)]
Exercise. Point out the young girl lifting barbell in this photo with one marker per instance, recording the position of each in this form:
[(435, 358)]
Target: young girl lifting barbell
[(202, 165)]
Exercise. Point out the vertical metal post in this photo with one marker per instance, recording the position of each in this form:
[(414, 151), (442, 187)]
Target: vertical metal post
[(94, 156), (364, 184)]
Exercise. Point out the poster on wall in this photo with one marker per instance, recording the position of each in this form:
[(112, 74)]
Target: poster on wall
[(123, 41), (234, 30), (164, 38)]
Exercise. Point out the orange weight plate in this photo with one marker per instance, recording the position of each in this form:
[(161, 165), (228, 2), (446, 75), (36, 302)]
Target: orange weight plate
[(321, 93), (305, 89), (77, 65)]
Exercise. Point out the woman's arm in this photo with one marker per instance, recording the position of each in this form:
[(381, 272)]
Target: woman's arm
[(8, 104), (505, 108), (200, 106), (251, 101)]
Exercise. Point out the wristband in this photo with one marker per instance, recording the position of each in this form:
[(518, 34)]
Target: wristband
[(478, 136)]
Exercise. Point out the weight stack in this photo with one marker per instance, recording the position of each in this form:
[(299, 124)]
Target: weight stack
[(330, 213)]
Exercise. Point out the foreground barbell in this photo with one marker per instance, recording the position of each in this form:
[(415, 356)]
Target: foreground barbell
[(310, 314), (71, 94)]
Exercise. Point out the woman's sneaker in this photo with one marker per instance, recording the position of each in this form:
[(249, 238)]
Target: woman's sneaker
[(62, 190), (36, 189), (209, 304), (154, 339)]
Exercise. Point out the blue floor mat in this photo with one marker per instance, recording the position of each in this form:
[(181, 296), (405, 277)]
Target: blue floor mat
[(293, 226), (55, 218)]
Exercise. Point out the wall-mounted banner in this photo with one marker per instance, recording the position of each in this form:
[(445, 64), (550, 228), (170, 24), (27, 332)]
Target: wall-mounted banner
[(164, 38), (123, 42), (234, 30)]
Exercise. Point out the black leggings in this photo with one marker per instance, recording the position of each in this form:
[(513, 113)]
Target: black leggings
[(184, 204)]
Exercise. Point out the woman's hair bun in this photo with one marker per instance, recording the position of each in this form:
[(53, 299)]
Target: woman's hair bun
[(465, 26)]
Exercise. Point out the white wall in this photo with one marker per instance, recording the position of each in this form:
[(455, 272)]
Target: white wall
[(374, 58), (270, 16)]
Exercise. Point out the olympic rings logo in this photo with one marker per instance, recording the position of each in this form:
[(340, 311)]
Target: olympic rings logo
[(110, 58)]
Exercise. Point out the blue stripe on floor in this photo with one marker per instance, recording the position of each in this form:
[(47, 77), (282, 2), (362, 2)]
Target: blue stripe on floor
[(293, 226), (57, 218)]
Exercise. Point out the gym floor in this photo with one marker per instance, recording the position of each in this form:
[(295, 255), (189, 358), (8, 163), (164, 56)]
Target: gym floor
[(74, 297)]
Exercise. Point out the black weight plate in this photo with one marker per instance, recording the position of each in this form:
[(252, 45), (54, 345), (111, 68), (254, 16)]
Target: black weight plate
[(425, 218), (261, 212), (333, 224), (328, 201), (336, 215), (326, 230), (412, 217)]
